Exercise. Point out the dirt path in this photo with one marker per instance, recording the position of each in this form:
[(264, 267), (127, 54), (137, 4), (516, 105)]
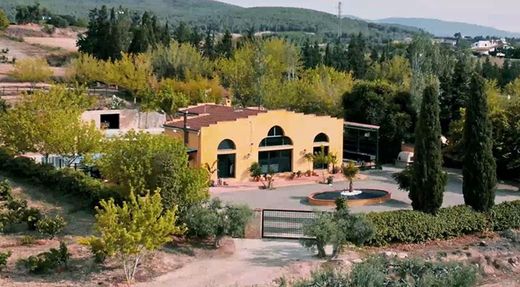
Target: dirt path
[(254, 263)]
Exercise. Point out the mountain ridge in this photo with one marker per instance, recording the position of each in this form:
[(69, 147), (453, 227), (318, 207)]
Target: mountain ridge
[(221, 16), (443, 28)]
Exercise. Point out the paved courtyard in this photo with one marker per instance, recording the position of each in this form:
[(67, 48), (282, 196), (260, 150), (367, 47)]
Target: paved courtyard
[(295, 197)]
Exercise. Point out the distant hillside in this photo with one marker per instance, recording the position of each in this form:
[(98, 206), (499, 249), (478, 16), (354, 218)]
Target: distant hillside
[(447, 28), (225, 16)]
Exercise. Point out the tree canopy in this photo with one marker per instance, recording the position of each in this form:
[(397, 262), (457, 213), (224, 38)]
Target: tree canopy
[(50, 123), (141, 162)]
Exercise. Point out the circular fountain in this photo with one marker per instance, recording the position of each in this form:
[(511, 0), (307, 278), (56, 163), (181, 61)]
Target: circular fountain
[(359, 197)]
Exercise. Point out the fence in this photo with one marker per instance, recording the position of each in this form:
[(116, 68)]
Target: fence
[(286, 224), (16, 90)]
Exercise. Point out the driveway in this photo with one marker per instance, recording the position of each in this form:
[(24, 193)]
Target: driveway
[(294, 197), (255, 262)]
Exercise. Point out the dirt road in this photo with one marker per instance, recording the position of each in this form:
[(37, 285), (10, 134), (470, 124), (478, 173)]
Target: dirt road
[(254, 263)]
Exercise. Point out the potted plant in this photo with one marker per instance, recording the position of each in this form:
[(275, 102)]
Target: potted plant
[(330, 179), (268, 179), (350, 170), (320, 158), (255, 171), (333, 159), (211, 171)]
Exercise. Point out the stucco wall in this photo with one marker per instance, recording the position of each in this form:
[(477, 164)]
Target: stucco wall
[(128, 119), (248, 133)]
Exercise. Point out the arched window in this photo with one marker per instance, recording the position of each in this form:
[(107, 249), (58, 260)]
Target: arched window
[(278, 159), (321, 138), (275, 137), (226, 145), (275, 131)]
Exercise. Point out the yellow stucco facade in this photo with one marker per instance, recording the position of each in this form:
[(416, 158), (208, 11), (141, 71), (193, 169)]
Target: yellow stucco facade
[(247, 134)]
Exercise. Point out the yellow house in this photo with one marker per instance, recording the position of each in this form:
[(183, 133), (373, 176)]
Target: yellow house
[(233, 139)]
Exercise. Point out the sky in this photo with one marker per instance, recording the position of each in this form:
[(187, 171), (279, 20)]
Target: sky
[(504, 14)]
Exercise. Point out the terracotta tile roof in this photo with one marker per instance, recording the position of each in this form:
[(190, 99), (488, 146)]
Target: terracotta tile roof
[(208, 114)]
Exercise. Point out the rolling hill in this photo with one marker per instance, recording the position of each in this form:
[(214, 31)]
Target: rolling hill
[(223, 16), (447, 28)]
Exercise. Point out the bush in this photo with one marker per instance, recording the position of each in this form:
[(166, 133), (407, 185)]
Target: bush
[(338, 229), (47, 261), (505, 216), (381, 271), (31, 216), (255, 171), (27, 240), (323, 229), (97, 247), (50, 226), (238, 217), (3, 259), (406, 226), (64, 181), (5, 191), (214, 220)]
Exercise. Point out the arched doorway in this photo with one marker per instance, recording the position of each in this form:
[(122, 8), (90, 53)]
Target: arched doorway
[(275, 151), (320, 145), (226, 159)]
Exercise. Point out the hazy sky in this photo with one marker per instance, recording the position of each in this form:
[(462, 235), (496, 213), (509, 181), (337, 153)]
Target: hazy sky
[(504, 14)]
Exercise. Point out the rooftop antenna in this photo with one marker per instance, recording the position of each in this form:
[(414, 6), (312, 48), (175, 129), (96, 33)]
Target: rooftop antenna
[(339, 19)]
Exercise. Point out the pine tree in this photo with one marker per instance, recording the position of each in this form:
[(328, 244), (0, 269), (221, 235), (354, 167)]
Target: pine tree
[(428, 178), (356, 56), (209, 44), (311, 55), (479, 167), (225, 46)]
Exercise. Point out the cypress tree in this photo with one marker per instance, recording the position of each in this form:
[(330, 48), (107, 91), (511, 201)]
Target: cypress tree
[(428, 178), (479, 167)]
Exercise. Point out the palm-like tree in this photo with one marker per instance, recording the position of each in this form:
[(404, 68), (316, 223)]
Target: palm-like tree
[(350, 170)]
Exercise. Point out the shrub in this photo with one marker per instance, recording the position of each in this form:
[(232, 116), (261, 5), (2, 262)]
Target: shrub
[(338, 228), (97, 247), (27, 240), (50, 226), (5, 190), (214, 220), (505, 216), (31, 216), (406, 226), (64, 181), (255, 171), (3, 259), (47, 261), (238, 216), (323, 230), (381, 271)]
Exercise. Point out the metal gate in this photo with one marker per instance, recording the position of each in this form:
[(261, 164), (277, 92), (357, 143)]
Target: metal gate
[(288, 224)]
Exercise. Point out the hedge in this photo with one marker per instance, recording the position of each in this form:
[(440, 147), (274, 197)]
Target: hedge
[(407, 226), (65, 181)]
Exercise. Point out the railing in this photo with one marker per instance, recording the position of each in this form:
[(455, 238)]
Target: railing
[(16, 90)]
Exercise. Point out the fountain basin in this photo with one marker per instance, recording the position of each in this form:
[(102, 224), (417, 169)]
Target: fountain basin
[(366, 197)]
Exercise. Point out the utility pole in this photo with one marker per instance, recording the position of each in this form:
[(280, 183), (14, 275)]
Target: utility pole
[(339, 19)]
